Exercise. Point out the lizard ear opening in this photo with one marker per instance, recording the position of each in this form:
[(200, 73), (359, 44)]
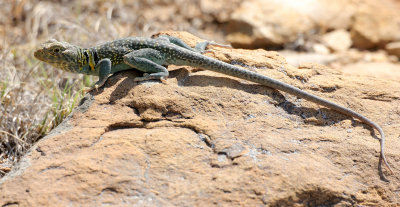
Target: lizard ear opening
[(69, 52)]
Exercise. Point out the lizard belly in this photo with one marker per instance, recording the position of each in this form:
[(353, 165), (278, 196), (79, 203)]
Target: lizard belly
[(120, 67)]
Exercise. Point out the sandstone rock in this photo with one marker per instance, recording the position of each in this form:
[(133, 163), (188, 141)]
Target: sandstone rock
[(320, 49), (296, 58), (393, 48), (220, 10), (382, 70), (327, 14), (338, 40), (266, 23), (354, 56), (263, 23), (206, 139), (375, 24)]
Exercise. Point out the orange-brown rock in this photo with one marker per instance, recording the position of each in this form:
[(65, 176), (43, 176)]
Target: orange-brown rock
[(265, 23), (338, 40), (259, 23), (206, 139), (375, 24), (393, 48)]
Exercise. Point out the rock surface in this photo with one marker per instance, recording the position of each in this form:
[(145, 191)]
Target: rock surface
[(266, 23), (206, 139), (383, 70), (338, 40), (393, 48), (375, 24)]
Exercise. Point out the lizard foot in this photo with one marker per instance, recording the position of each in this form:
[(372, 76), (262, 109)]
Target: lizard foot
[(208, 51), (145, 76), (89, 89), (221, 45), (149, 77)]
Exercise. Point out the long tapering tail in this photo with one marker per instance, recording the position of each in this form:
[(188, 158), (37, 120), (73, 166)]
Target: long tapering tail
[(231, 70)]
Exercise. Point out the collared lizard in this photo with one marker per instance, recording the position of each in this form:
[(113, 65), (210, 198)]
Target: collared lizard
[(150, 55)]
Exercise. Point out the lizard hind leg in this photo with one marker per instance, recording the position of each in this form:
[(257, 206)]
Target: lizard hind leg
[(178, 42), (150, 62), (201, 47)]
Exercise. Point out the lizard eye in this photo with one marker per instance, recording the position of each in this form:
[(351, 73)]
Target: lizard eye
[(56, 50)]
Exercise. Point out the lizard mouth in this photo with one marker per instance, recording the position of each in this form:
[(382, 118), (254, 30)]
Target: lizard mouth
[(37, 55)]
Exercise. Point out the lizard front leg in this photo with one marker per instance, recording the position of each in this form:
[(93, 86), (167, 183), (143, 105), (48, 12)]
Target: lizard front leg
[(104, 68), (150, 62)]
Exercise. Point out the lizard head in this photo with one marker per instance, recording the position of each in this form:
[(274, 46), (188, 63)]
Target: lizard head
[(60, 55)]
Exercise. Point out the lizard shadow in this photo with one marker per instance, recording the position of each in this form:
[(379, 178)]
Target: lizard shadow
[(122, 88), (323, 116)]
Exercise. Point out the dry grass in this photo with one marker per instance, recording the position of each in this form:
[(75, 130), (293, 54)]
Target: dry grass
[(35, 97)]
